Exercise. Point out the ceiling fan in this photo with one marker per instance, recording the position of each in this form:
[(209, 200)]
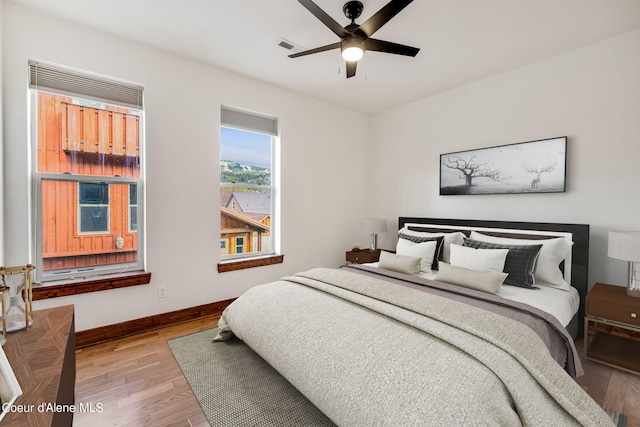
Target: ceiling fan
[(354, 38)]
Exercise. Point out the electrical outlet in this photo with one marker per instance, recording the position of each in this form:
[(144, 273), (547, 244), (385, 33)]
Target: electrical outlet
[(162, 292)]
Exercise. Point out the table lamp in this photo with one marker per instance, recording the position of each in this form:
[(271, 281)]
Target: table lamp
[(625, 245), (373, 226)]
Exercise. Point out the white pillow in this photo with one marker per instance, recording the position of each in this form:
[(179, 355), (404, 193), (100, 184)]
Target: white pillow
[(485, 281), (455, 238), (478, 259), (552, 253), (399, 263), (424, 250)]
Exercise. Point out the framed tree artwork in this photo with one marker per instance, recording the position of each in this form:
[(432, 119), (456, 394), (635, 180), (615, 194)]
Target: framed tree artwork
[(525, 167)]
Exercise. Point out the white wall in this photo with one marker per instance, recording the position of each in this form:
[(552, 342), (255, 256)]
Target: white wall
[(320, 204), (591, 95)]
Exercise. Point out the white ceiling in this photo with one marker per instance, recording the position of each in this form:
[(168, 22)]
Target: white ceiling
[(460, 41)]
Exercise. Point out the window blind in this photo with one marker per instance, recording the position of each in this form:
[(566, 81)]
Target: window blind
[(249, 121), (75, 83)]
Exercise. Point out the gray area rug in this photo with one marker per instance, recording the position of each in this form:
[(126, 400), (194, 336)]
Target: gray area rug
[(620, 420), (237, 388)]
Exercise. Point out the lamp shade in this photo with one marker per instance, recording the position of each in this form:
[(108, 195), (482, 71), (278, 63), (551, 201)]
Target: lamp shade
[(373, 225), (624, 245)]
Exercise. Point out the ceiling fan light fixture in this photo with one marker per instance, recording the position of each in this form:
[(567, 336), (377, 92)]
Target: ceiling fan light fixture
[(352, 54), (352, 49), (355, 39)]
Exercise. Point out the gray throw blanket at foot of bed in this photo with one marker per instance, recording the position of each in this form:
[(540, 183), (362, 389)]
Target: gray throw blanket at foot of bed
[(366, 352)]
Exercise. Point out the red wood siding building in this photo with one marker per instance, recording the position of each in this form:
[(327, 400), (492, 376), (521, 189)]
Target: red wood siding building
[(81, 140)]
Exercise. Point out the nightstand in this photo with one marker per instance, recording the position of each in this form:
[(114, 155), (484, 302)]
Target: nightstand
[(362, 256), (611, 310)]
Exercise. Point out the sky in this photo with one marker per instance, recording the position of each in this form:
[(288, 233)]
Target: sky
[(245, 147)]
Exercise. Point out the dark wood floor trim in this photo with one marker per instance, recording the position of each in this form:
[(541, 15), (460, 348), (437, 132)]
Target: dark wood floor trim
[(150, 323), (92, 285)]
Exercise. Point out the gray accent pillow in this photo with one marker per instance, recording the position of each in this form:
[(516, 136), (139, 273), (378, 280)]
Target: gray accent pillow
[(399, 263), (520, 263), (419, 239)]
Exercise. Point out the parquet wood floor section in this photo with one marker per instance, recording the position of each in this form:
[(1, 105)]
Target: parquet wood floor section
[(138, 383)]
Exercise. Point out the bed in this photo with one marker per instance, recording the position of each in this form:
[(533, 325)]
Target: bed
[(373, 345)]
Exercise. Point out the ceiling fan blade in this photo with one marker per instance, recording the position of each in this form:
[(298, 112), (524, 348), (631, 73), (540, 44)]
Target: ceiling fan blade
[(382, 16), (316, 50), (324, 18), (390, 47), (351, 68)]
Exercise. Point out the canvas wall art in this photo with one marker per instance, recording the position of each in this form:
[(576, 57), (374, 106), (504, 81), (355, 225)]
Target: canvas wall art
[(525, 167)]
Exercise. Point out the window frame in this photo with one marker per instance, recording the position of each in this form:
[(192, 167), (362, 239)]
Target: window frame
[(84, 272), (86, 89), (246, 121)]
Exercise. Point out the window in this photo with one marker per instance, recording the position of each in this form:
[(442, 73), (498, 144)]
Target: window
[(94, 208), (239, 245), (133, 207), (87, 139), (247, 190)]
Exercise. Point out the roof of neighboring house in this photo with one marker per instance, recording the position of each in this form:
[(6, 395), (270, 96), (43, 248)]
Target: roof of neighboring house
[(256, 216), (252, 202), (243, 218), (225, 196)]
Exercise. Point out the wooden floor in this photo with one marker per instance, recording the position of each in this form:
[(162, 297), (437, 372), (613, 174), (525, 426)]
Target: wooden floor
[(613, 388), (137, 382)]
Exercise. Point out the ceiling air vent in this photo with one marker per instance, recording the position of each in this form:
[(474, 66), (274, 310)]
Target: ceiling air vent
[(290, 46)]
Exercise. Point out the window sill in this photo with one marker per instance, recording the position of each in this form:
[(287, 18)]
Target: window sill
[(77, 287), (234, 265)]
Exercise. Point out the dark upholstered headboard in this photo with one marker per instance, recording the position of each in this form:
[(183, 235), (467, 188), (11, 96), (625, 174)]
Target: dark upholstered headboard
[(579, 235)]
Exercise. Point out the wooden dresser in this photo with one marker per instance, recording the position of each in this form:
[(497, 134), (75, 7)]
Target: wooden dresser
[(43, 359)]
